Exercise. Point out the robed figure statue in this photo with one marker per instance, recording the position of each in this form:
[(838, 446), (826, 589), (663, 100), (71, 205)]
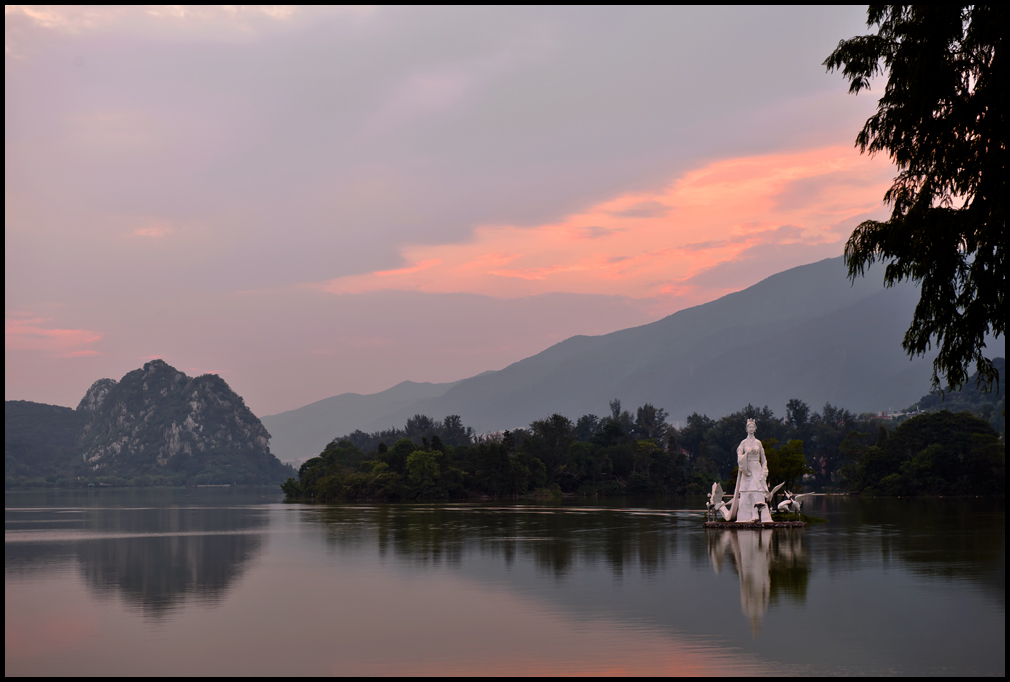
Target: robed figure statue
[(750, 495)]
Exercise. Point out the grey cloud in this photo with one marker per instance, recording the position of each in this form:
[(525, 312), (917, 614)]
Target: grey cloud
[(807, 190), (645, 209), (319, 150), (281, 147), (597, 231)]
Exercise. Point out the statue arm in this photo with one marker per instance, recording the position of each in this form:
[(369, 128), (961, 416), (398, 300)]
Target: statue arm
[(764, 460)]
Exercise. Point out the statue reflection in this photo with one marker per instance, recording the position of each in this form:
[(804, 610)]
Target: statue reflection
[(770, 564)]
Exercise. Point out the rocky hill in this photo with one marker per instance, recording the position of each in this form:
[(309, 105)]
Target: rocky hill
[(155, 425)]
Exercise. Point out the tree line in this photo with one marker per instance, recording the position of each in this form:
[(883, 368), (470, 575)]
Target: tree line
[(640, 453)]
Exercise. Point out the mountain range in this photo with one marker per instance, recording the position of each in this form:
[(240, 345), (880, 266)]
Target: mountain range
[(804, 333)]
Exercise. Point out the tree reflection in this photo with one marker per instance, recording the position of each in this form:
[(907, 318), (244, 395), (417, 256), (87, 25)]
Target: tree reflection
[(553, 539)]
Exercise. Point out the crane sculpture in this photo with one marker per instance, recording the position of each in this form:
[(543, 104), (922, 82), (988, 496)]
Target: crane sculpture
[(793, 503), (716, 503)]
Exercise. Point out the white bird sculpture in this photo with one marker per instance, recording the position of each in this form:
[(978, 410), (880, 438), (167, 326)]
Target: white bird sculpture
[(793, 503), (715, 501), (770, 496)]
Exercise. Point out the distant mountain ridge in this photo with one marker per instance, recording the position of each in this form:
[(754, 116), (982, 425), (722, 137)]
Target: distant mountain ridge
[(803, 333), (156, 422), (306, 426)]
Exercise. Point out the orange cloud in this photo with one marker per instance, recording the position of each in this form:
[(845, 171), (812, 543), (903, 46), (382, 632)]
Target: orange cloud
[(152, 231), (649, 244), (23, 332)]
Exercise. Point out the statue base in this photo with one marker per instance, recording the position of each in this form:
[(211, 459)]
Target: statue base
[(756, 525)]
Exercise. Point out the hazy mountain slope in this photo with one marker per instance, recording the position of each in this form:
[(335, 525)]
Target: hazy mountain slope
[(302, 433), (804, 333)]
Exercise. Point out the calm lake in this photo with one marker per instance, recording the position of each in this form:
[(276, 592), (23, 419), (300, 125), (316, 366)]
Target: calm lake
[(233, 582)]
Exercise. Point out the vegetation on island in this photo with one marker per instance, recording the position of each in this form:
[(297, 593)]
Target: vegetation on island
[(942, 453), (641, 454)]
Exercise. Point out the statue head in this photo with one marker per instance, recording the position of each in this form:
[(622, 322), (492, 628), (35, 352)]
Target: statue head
[(752, 427)]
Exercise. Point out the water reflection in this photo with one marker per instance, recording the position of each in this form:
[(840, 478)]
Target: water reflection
[(493, 587), (153, 557), (769, 563), (961, 539), (556, 540), (180, 559)]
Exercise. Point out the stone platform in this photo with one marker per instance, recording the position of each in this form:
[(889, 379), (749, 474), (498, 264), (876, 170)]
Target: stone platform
[(757, 525)]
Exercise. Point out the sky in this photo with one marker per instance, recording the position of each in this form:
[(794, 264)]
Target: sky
[(314, 201)]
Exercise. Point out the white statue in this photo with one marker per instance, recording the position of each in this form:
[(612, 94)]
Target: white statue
[(750, 497)]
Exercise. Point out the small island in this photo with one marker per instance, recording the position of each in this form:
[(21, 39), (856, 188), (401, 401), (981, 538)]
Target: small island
[(640, 454)]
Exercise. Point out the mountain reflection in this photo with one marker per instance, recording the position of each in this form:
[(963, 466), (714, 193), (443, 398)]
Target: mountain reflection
[(770, 563), (176, 553), (155, 558)]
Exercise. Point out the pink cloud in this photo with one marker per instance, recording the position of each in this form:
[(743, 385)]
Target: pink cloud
[(650, 244), (152, 231), (25, 332), (197, 371)]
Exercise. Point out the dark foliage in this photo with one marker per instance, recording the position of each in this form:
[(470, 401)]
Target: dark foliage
[(40, 441), (449, 431), (940, 120), (593, 456), (830, 449), (944, 453)]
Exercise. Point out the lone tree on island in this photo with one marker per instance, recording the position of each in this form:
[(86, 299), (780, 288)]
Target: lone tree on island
[(940, 120)]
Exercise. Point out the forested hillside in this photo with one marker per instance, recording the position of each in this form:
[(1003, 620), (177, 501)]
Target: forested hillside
[(989, 406), (40, 441)]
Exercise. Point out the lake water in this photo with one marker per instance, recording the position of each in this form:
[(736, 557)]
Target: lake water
[(212, 581)]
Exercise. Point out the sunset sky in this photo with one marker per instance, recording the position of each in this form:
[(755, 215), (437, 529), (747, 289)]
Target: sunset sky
[(315, 201)]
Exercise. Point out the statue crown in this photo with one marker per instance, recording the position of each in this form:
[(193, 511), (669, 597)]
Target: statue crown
[(752, 421)]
